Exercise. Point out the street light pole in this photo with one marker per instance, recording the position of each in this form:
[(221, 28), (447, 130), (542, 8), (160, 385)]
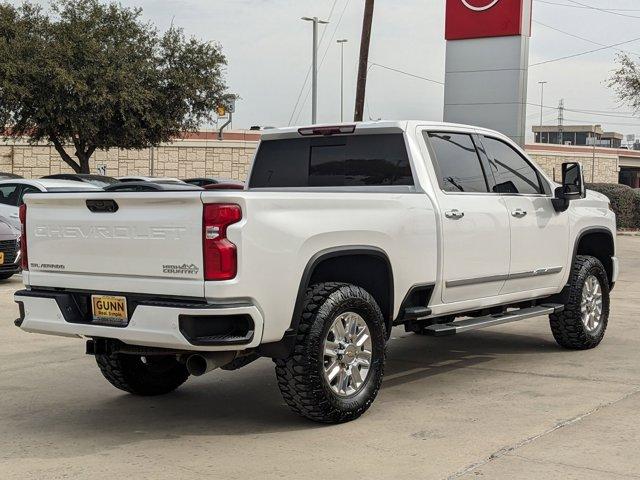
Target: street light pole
[(314, 75), (542, 84), (341, 43)]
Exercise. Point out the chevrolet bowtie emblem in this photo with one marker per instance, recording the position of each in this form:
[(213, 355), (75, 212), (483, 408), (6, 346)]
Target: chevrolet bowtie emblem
[(487, 4)]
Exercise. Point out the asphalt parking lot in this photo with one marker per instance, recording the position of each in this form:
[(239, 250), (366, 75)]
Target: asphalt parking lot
[(499, 403)]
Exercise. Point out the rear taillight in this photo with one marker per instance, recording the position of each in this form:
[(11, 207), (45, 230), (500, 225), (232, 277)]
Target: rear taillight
[(23, 237), (220, 255)]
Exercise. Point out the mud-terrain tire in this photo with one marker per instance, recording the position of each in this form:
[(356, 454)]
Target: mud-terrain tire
[(144, 376), (583, 323), (316, 381)]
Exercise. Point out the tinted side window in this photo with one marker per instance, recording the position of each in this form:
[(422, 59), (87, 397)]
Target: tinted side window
[(458, 161), (359, 160), (9, 194), (513, 174)]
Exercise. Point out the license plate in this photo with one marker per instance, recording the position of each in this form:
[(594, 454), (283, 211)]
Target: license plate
[(1, 258), (109, 310)]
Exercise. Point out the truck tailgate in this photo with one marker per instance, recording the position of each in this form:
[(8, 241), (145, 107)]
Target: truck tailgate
[(150, 243)]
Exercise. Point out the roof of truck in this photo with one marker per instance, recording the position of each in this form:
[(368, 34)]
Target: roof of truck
[(380, 126)]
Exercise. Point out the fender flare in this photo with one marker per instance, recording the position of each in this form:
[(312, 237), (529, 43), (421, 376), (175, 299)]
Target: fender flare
[(318, 258)]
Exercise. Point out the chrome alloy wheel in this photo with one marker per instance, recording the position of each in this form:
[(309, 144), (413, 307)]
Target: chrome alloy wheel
[(347, 354), (591, 305)]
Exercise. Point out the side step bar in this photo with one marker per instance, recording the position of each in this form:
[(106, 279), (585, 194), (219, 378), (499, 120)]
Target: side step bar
[(444, 329)]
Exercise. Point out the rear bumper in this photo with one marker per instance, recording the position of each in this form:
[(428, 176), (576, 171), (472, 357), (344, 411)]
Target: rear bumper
[(176, 325)]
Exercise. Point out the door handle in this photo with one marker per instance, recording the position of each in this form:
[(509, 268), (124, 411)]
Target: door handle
[(519, 213), (454, 214), (14, 215)]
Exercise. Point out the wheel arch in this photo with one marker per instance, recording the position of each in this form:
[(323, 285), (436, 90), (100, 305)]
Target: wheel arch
[(599, 243), (368, 267)]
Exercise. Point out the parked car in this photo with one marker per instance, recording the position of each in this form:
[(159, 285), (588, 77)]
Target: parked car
[(7, 176), (160, 180), (9, 249), (97, 180), (13, 191), (205, 181), (343, 233)]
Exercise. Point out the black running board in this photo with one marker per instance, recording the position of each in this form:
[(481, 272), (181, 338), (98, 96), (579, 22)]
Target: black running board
[(444, 329)]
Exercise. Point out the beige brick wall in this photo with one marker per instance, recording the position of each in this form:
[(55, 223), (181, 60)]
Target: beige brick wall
[(606, 166), (182, 159)]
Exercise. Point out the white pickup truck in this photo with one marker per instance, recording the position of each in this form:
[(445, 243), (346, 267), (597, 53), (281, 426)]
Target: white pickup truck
[(342, 233)]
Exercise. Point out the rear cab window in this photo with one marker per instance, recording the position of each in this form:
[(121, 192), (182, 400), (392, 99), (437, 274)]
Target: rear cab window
[(368, 160)]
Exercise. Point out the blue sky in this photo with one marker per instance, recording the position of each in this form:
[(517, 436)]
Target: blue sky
[(269, 52)]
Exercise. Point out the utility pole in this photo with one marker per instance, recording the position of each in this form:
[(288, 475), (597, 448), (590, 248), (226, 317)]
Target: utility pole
[(542, 84), (314, 68), (363, 66), (341, 43)]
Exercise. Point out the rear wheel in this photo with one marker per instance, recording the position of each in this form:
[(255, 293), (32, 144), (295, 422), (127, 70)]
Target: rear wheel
[(146, 376), (583, 322), (335, 370)]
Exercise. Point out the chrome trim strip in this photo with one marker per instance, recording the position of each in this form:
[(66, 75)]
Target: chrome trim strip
[(536, 273), (499, 278), (474, 281)]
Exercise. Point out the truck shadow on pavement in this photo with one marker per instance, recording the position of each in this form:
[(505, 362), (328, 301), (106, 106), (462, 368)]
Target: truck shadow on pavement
[(95, 417)]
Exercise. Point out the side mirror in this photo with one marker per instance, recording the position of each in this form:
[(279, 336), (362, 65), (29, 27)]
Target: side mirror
[(573, 186)]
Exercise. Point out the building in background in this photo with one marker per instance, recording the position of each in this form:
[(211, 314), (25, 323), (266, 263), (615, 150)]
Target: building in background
[(580, 135)]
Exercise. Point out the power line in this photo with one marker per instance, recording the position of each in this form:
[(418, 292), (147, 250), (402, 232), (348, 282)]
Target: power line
[(604, 10), (582, 38), (306, 78), (589, 7), (567, 57), (405, 73), (596, 113)]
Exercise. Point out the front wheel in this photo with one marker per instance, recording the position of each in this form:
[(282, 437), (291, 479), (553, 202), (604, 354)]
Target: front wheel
[(335, 369), (583, 322)]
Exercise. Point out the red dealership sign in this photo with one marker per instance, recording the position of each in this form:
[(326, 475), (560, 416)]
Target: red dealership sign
[(487, 18)]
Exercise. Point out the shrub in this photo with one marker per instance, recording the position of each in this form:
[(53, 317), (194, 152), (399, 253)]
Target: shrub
[(625, 202)]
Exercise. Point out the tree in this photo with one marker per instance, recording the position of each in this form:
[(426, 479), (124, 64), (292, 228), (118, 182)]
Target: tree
[(95, 76), (626, 81)]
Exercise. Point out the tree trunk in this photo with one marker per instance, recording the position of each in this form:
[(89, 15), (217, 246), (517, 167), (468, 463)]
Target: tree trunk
[(66, 158), (84, 162)]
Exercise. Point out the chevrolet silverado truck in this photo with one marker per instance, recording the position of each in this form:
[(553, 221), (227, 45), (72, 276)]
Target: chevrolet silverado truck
[(341, 233)]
